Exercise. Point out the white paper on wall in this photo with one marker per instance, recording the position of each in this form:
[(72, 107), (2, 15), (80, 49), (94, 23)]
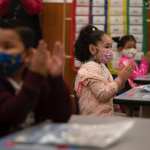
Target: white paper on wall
[(82, 19), (138, 37), (135, 11), (113, 35), (98, 11), (116, 11), (98, 2), (82, 11), (116, 3), (136, 20), (98, 20), (79, 27), (117, 29), (135, 3), (136, 29), (82, 2), (116, 20)]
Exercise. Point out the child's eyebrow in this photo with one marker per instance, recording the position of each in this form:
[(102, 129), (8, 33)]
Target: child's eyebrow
[(107, 43)]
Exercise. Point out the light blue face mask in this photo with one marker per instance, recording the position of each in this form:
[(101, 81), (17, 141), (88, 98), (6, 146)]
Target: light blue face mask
[(9, 64)]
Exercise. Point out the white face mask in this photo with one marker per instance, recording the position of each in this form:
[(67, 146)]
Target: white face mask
[(131, 52)]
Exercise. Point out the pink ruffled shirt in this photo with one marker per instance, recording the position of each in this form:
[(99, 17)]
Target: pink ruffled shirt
[(140, 70), (95, 88)]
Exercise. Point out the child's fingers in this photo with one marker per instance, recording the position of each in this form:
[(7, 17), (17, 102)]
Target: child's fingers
[(58, 50), (33, 50), (42, 50), (42, 45), (129, 68)]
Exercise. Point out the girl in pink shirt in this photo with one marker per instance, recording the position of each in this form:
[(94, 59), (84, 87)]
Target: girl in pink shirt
[(127, 47), (94, 84)]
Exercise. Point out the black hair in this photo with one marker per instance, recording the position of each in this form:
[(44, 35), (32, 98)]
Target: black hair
[(26, 34), (124, 39), (116, 39), (88, 35)]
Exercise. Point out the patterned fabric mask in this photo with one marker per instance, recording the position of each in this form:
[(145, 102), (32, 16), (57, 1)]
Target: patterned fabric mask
[(106, 56), (9, 64)]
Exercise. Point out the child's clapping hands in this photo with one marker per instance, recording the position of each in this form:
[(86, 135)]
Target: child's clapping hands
[(45, 62)]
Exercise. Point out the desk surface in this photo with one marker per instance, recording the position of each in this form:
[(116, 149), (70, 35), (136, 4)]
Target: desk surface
[(134, 96), (145, 79), (137, 138)]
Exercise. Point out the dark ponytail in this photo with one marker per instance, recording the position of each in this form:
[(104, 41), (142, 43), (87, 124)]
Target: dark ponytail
[(88, 35)]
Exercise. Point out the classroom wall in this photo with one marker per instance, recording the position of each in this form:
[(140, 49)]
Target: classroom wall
[(148, 29), (56, 25)]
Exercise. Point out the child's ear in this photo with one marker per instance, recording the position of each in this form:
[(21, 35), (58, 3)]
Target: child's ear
[(92, 49)]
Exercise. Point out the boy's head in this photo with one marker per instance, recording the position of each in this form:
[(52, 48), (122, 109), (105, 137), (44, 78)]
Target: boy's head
[(93, 43), (15, 46), (13, 36)]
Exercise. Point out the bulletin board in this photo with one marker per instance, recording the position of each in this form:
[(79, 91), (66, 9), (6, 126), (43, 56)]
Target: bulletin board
[(116, 17), (81, 14), (137, 25)]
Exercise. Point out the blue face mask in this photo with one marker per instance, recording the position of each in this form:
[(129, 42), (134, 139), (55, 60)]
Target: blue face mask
[(9, 64)]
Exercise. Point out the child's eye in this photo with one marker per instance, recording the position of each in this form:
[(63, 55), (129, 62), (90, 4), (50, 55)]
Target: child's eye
[(8, 46), (109, 46)]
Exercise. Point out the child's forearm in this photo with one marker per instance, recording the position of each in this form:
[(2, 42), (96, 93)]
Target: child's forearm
[(103, 91), (60, 99)]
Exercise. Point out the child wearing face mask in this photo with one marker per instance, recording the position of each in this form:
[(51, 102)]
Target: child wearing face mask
[(112, 66), (94, 85), (128, 52), (32, 89)]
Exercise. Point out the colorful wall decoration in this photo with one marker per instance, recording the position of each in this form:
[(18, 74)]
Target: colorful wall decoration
[(116, 17)]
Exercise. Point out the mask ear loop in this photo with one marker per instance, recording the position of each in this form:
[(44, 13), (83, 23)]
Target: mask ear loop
[(97, 51)]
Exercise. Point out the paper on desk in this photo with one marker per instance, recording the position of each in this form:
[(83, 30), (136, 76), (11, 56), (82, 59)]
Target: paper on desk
[(86, 135)]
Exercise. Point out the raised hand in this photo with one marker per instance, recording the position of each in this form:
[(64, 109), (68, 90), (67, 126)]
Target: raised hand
[(39, 59), (126, 72), (45, 62), (123, 75), (56, 60)]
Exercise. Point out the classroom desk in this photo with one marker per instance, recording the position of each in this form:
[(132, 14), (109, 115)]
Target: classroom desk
[(145, 79), (137, 138), (136, 96)]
